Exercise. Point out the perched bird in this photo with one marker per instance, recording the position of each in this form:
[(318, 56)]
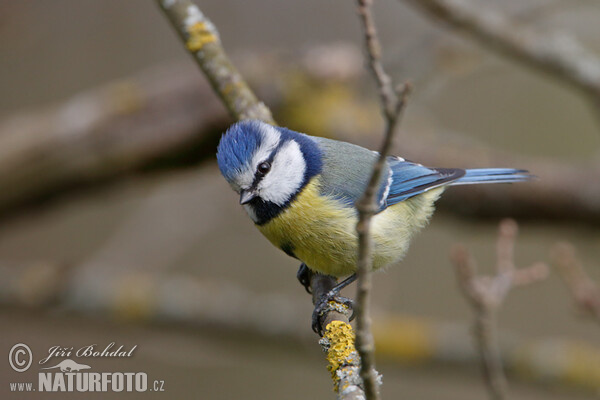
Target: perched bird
[(300, 191)]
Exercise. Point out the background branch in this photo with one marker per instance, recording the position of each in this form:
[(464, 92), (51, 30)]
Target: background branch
[(152, 120), (486, 295), (180, 300), (168, 117), (585, 292), (557, 54)]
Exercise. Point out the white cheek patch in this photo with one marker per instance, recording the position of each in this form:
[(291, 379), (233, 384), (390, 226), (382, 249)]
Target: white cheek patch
[(286, 175)]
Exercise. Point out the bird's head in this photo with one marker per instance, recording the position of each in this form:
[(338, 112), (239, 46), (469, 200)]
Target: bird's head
[(266, 165)]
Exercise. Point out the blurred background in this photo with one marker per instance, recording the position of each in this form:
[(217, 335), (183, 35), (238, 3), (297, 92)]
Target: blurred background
[(117, 226)]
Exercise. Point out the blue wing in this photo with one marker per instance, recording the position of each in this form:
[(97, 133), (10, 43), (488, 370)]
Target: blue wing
[(409, 179), (347, 169)]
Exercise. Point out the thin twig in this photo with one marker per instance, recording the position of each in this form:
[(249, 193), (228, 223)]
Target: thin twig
[(486, 295), (389, 98), (583, 289), (392, 103), (202, 41), (558, 54)]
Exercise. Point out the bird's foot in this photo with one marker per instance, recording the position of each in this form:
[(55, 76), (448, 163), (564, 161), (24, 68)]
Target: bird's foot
[(304, 274), (331, 301)]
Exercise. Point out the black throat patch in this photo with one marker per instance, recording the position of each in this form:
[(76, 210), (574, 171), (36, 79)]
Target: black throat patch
[(265, 210)]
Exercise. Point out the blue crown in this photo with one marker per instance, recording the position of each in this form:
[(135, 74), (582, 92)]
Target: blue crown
[(237, 146)]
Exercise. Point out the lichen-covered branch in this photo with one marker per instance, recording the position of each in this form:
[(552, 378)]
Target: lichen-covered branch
[(486, 295), (392, 104), (558, 54), (201, 39), (338, 342), (344, 361)]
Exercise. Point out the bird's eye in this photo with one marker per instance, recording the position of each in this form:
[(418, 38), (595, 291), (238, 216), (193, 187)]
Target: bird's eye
[(264, 167)]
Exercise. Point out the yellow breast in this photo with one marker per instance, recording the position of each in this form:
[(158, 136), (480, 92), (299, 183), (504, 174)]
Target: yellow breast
[(321, 231)]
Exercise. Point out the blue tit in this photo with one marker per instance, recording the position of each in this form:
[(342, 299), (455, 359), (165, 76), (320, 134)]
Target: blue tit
[(301, 190)]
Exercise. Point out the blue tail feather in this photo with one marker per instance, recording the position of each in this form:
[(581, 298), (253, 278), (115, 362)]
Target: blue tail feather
[(493, 175)]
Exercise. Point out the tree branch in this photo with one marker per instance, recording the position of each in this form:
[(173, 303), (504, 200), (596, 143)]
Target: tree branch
[(201, 38), (557, 54)]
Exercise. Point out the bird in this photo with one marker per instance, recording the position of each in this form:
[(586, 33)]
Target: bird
[(300, 191)]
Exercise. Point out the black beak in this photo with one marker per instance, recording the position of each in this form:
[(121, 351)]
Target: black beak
[(246, 196)]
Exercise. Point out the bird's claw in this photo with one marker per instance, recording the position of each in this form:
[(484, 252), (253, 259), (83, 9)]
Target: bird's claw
[(304, 274), (331, 301)]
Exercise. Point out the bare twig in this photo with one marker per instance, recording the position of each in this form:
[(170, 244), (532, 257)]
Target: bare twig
[(392, 103), (389, 98), (486, 295), (558, 54), (584, 290), (202, 41)]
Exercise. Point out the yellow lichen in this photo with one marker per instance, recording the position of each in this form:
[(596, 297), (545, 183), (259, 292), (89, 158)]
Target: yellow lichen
[(341, 351), (341, 308), (200, 35)]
